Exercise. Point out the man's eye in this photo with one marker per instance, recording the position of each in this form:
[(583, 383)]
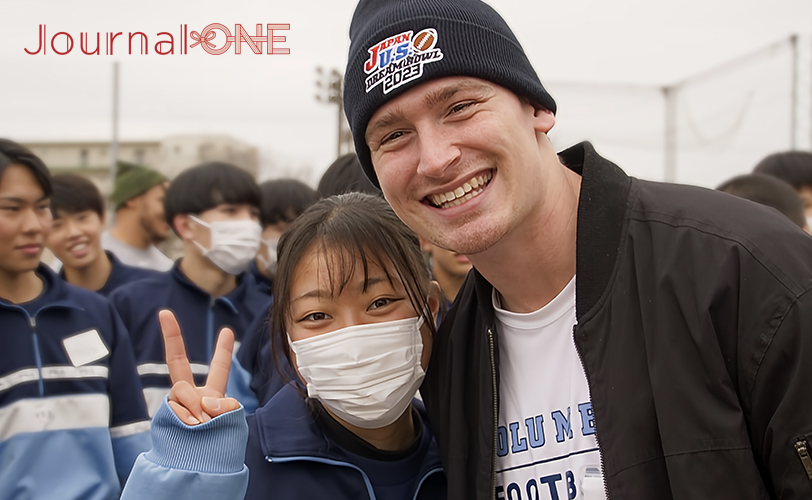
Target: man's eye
[(391, 137), (460, 107)]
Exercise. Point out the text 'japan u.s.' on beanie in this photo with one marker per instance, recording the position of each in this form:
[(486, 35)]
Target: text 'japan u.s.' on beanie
[(398, 44)]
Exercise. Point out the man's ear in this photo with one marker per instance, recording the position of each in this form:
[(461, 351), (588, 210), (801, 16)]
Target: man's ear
[(182, 224), (543, 119), (132, 203)]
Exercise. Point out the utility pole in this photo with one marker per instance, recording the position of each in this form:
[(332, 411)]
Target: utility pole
[(329, 87), (670, 95), (793, 126), (114, 142)]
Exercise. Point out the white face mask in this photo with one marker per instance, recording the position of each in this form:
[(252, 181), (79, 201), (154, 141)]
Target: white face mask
[(367, 375), (232, 245), (269, 263)]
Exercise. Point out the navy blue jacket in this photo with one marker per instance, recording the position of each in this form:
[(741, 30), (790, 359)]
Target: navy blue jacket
[(262, 372), (120, 274), (264, 285), (288, 455), (72, 416), (200, 317)]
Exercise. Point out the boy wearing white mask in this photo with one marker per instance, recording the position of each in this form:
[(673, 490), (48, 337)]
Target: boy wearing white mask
[(214, 209), (254, 376)]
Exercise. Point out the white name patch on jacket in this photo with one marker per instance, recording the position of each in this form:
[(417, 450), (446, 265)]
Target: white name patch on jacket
[(85, 347), (546, 446)]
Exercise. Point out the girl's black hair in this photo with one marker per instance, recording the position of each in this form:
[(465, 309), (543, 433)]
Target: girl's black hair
[(205, 186), (345, 229), (12, 153)]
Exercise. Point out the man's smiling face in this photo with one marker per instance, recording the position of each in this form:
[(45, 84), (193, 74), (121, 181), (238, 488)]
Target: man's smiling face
[(458, 159)]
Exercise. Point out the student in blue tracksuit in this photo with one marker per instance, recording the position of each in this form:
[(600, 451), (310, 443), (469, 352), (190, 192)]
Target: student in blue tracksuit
[(75, 238), (353, 295), (214, 209), (72, 417), (282, 201)]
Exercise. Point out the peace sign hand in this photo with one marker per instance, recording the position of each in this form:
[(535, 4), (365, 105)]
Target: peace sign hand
[(194, 405)]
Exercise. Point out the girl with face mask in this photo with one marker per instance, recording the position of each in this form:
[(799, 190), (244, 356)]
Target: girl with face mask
[(353, 316)]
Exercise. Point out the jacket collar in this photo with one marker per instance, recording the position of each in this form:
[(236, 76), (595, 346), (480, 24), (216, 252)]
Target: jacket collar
[(287, 428), (601, 213), (56, 291), (263, 283), (237, 296)]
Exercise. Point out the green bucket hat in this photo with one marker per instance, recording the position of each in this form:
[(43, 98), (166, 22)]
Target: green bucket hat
[(133, 180)]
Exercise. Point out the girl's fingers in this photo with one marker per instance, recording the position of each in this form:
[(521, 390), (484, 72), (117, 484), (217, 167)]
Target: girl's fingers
[(218, 406), (187, 396), (183, 414), (179, 369), (221, 362)]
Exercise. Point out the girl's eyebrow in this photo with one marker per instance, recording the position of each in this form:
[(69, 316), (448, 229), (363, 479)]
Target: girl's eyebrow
[(319, 293)]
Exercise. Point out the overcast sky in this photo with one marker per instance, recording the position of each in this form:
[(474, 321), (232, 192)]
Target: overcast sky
[(269, 100)]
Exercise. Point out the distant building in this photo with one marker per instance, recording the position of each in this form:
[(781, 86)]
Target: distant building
[(170, 155)]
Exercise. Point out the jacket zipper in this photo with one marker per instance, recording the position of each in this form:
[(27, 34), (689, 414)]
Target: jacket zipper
[(495, 413), (32, 320), (597, 434), (328, 461), (801, 446)]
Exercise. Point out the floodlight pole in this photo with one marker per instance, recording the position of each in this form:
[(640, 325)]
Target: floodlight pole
[(670, 149), (793, 127), (114, 144), (330, 92)]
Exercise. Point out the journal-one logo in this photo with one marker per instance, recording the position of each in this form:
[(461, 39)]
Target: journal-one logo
[(215, 39)]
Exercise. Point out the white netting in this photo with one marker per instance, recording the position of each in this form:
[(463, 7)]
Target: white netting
[(726, 119)]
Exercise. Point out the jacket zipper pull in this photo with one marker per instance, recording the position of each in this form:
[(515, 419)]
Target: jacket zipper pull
[(803, 453), (33, 321)]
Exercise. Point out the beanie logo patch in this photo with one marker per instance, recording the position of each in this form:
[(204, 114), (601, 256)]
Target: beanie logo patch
[(399, 59)]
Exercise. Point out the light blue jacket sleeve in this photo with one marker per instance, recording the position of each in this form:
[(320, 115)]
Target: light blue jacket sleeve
[(239, 386), (199, 462)]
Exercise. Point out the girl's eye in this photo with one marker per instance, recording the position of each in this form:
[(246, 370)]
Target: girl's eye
[(381, 302), (317, 316)]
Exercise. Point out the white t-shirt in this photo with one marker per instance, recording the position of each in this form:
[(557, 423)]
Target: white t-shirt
[(546, 445), (151, 258)]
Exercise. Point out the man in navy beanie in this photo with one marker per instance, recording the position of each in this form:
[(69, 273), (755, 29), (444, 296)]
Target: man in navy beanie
[(617, 338)]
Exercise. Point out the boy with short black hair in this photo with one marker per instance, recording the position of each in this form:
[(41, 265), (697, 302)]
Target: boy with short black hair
[(75, 238), (794, 168), (72, 415), (770, 191), (214, 209), (282, 201)]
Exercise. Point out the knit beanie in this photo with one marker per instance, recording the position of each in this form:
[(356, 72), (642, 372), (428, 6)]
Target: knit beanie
[(133, 180), (398, 44)]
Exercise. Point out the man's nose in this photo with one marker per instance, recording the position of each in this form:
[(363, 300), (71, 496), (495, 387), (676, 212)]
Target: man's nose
[(437, 153)]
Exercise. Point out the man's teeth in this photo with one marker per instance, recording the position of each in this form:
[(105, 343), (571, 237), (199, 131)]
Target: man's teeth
[(463, 193)]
